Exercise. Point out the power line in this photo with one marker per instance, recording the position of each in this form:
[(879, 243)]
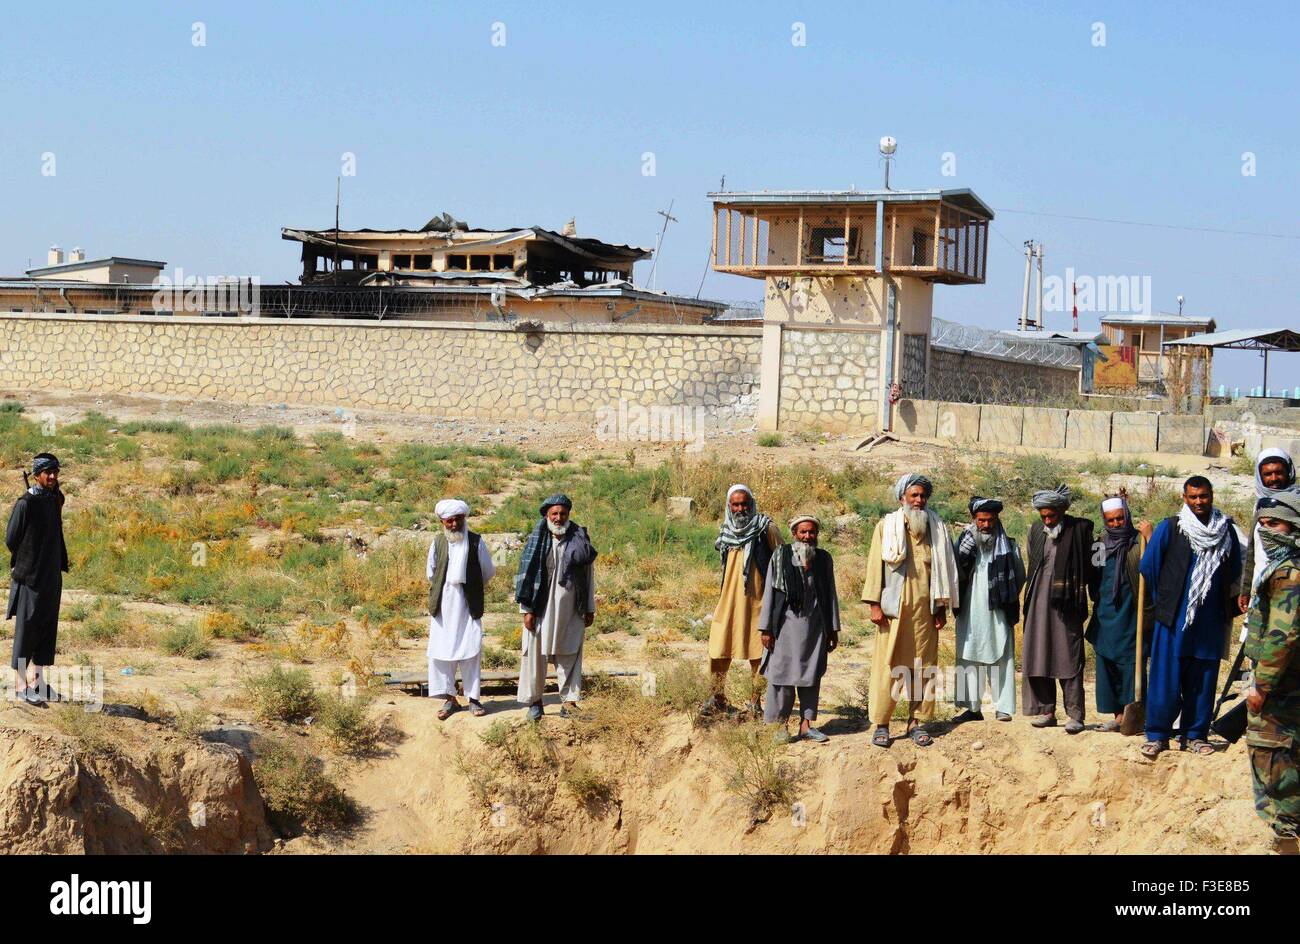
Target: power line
[(1192, 229)]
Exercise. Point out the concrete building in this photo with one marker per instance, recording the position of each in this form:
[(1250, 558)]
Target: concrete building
[(849, 285), (113, 270)]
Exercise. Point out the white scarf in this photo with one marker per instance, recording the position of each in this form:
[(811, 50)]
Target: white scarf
[(1210, 542), (943, 562)]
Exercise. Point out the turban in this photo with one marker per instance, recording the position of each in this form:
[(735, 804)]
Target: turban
[(1114, 503), (1058, 498), (740, 488), (1267, 456), (800, 518), (450, 507), (909, 479), (557, 499), (44, 462), (985, 504), (1284, 506)]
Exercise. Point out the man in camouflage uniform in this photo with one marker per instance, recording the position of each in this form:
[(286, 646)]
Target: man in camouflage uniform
[(1273, 642)]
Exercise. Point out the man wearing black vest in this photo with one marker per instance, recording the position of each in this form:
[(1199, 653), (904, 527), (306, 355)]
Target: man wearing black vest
[(459, 566), (1193, 564), (37, 563)]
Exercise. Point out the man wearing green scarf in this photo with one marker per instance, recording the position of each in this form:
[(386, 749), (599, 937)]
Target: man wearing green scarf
[(1273, 642)]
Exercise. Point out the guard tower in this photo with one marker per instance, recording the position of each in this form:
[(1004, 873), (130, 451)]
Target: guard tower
[(849, 278)]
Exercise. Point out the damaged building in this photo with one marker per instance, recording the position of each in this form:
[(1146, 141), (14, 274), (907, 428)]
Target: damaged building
[(449, 270)]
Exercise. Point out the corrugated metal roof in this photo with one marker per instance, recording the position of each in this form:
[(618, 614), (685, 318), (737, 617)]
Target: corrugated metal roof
[(1156, 318), (963, 197), (1275, 339)]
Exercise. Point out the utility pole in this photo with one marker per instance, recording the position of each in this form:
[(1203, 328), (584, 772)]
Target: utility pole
[(668, 217), (338, 196), (1039, 253), (1024, 303)]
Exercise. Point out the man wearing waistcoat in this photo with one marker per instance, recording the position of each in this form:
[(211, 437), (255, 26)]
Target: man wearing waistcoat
[(1193, 563), (459, 566)]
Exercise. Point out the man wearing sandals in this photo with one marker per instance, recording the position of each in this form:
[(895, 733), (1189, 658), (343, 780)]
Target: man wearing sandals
[(799, 624), (1193, 565), (745, 544), (1273, 643), (1061, 579), (1113, 628), (911, 584), (555, 588), (458, 567)]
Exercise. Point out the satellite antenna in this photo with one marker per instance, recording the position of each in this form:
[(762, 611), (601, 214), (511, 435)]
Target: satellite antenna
[(887, 148)]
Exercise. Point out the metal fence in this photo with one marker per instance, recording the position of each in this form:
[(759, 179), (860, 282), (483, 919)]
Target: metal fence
[(951, 336)]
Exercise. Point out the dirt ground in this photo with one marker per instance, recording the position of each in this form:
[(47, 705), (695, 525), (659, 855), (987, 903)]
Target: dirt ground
[(982, 787)]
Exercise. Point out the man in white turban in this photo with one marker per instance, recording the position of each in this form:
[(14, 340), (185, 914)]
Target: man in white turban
[(458, 567), (911, 587)]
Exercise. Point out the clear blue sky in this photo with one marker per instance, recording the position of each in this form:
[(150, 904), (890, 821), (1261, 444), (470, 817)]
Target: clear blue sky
[(198, 155)]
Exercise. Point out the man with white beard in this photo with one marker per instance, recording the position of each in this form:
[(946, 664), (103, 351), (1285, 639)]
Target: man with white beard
[(458, 567), (1061, 580), (799, 624), (555, 588), (991, 575), (911, 584)]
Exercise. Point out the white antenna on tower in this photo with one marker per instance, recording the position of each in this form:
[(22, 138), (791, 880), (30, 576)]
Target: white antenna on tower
[(887, 148)]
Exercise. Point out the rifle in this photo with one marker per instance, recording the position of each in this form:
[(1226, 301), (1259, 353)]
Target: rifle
[(1232, 725)]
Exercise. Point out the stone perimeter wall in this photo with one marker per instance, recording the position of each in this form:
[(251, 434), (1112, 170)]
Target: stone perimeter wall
[(970, 378), (467, 369)]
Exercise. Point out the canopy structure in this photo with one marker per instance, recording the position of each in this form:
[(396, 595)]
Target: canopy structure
[(1265, 340)]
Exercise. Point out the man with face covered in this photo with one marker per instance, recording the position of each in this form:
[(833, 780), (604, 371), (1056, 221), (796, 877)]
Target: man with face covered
[(799, 625), (991, 575), (555, 588), (38, 561), (1274, 476)]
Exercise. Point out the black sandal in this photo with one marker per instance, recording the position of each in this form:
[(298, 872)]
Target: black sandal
[(881, 737), (919, 736)]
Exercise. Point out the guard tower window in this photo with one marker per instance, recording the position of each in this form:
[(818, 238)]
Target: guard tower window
[(480, 263), (458, 261), (827, 243), (503, 262), (423, 262), (401, 262)]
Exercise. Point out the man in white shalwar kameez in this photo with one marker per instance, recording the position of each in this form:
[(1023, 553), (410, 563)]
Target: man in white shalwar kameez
[(458, 567), (556, 591)]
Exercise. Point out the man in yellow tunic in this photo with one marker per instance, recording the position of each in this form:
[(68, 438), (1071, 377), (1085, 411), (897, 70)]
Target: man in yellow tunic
[(746, 542), (911, 585)]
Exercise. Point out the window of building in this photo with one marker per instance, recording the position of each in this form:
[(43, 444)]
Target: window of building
[(402, 262), (368, 262), (503, 262), (458, 262), (827, 243), (423, 262), (480, 263)]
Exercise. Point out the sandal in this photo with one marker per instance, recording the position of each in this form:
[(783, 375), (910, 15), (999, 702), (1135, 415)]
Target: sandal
[(1152, 749), (919, 737), (1199, 746), (449, 708), (881, 737), (476, 709)]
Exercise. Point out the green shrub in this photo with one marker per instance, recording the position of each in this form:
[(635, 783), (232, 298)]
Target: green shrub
[(186, 639), (298, 792), (770, 440), (283, 694), (347, 724)]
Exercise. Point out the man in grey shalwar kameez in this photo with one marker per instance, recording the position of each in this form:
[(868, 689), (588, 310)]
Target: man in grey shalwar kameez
[(1061, 580), (556, 592), (799, 624), (38, 560)]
